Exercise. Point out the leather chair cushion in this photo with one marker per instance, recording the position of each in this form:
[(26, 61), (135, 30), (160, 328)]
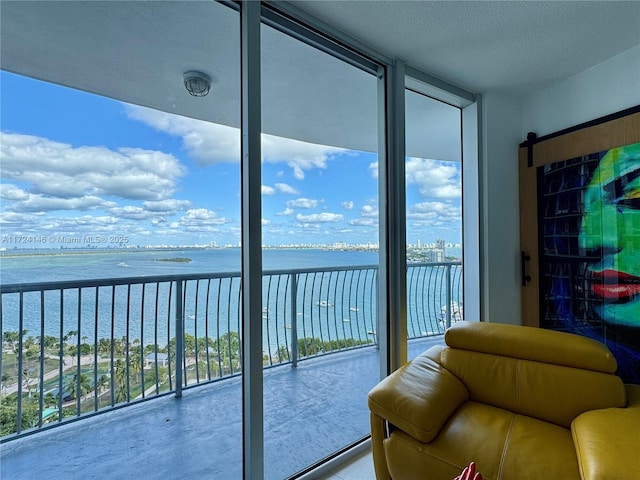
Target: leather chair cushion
[(600, 443), (504, 445), (553, 393), (419, 397), (529, 343)]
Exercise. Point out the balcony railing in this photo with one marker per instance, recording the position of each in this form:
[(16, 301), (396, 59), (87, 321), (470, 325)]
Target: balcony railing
[(77, 348)]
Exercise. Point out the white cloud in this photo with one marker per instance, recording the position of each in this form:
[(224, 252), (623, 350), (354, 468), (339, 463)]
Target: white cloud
[(300, 156), (347, 205), (310, 226), (364, 222), (201, 217), (265, 222), (53, 226), (287, 211), (211, 143), (59, 170), (435, 179), (206, 142), (285, 188), (20, 220), (369, 211), (132, 213), (302, 203), (42, 203), (434, 213), (11, 192), (324, 217), (166, 207), (373, 168), (267, 190)]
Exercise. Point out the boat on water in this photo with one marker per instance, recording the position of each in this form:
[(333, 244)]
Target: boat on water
[(324, 303), (457, 313), (354, 309)]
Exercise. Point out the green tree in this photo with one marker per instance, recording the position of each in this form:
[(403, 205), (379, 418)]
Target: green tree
[(102, 384), (309, 346), (82, 382), (228, 352), (104, 346), (283, 354), (6, 379), (49, 400), (120, 380), (70, 336), (135, 361), (11, 338)]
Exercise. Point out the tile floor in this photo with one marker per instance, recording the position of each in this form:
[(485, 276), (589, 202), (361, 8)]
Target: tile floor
[(358, 468)]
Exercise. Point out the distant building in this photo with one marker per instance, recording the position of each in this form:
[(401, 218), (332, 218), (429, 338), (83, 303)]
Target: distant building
[(150, 360)]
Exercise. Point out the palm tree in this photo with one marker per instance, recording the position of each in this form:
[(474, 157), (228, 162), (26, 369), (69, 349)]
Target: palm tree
[(120, 378), (29, 375), (6, 378), (49, 400), (12, 338), (70, 335), (84, 384), (135, 360), (101, 385)]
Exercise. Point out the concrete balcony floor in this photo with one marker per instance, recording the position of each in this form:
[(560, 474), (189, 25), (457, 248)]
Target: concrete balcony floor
[(309, 413)]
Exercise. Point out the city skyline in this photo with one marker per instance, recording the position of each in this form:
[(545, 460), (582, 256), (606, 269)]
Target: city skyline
[(77, 164)]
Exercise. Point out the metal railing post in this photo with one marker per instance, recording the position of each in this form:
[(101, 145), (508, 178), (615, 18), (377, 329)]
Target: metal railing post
[(179, 338), (294, 320), (448, 270), (20, 369)]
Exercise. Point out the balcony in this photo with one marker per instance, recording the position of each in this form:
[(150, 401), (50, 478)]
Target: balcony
[(152, 370)]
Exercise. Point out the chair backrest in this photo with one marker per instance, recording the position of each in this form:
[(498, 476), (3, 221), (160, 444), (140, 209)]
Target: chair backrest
[(549, 375)]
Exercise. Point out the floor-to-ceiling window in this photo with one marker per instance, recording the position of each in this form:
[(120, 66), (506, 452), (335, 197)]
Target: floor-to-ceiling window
[(433, 171), (320, 251), (142, 179), (119, 181)]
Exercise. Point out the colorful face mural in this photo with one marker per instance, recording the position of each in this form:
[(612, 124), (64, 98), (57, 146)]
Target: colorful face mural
[(611, 229), (589, 212)]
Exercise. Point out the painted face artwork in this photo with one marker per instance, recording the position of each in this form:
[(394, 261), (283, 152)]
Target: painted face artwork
[(610, 230)]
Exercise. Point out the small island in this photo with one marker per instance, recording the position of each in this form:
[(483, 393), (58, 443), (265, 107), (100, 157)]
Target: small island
[(174, 259)]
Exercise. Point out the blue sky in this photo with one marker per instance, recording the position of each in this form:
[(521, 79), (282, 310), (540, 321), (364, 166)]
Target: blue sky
[(77, 165)]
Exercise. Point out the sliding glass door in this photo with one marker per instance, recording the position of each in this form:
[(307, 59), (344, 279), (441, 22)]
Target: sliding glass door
[(320, 252), (433, 185)]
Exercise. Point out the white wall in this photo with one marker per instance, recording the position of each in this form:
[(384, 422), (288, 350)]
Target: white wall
[(606, 88), (500, 229)]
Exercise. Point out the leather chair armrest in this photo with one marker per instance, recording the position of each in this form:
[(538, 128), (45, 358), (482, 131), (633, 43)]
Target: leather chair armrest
[(607, 441), (419, 397)]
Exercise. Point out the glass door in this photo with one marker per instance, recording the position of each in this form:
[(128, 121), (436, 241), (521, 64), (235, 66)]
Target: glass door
[(320, 252), (433, 185)]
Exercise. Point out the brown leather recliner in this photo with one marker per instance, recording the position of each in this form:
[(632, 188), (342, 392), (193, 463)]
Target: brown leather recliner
[(522, 402)]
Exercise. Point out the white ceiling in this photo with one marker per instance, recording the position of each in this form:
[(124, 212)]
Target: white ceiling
[(514, 47), (137, 51)]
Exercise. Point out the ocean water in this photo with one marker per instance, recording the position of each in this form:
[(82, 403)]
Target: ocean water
[(340, 304), (61, 265)]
